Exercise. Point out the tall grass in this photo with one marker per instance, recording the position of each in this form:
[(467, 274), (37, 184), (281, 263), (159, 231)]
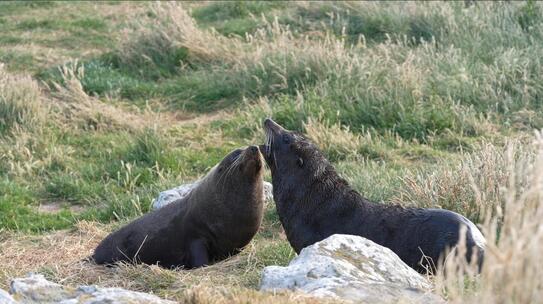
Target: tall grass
[(448, 72), (471, 187), (511, 271), (20, 103), (90, 113), (166, 40)]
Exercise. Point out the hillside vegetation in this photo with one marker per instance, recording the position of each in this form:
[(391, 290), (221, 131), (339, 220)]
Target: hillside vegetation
[(102, 106)]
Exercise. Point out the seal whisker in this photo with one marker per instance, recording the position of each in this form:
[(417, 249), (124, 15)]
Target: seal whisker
[(222, 178), (269, 141), (228, 171)]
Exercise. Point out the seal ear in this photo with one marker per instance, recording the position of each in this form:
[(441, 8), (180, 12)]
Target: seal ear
[(300, 162)]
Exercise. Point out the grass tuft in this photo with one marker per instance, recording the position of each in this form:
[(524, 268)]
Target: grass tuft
[(513, 231), (20, 103)]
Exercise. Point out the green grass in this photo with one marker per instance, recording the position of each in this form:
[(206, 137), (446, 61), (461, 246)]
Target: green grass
[(421, 86), (420, 90), (405, 99), (235, 17)]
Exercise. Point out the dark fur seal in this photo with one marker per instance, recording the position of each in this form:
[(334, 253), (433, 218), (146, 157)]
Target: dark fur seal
[(314, 202), (216, 220)]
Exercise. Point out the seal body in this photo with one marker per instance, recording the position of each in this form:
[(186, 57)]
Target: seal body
[(216, 220), (314, 202)]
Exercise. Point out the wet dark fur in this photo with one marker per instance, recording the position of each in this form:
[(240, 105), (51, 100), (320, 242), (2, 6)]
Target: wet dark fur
[(216, 220), (314, 202)]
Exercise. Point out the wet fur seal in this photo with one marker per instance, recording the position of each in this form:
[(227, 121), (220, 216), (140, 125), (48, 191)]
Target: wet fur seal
[(314, 202), (216, 220)]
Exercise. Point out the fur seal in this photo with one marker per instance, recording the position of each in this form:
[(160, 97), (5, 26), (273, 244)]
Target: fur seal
[(214, 221), (314, 202)]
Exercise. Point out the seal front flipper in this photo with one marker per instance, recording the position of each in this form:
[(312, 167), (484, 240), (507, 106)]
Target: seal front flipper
[(198, 254)]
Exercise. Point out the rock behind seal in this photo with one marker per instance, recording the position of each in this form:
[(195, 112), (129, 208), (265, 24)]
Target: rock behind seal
[(350, 268), (167, 196), (36, 289)]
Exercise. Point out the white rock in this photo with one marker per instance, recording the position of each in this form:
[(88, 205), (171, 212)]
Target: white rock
[(168, 196), (268, 191), (6, 298), (36, 289), (351, 268)]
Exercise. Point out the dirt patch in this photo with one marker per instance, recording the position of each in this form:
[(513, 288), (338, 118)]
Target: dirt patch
[(56, 207)]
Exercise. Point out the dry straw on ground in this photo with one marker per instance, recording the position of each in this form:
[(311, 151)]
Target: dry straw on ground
[(60, 256)]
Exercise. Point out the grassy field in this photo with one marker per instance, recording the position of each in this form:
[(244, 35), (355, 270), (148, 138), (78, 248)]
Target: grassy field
[(104, 105)]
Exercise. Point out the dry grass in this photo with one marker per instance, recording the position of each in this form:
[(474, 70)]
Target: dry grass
[(170, 32), (57, 41), (60, 257), (21, 106), (514, 231), (90, 113), (470, 187), (58, 254)]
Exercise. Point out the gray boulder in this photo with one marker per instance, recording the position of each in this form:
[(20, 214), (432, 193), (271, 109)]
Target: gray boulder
[(168, 196), (350, 268), (36, 289)]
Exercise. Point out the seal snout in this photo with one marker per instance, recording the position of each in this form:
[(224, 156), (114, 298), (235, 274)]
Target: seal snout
[(253, 149), (273, 130), (271, 125), (251, 153)]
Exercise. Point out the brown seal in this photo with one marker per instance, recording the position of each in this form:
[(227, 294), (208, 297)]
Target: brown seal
[(216, 220), (314, 202)]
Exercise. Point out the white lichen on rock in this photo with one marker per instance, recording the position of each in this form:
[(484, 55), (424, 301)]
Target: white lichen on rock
[(350, 268), (36, 289)]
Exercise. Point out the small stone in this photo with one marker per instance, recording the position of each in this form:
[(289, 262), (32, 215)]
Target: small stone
[(268, 191)]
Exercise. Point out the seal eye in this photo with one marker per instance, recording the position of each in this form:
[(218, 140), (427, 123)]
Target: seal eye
[(220, 169), (286, 140), (300, 162)]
